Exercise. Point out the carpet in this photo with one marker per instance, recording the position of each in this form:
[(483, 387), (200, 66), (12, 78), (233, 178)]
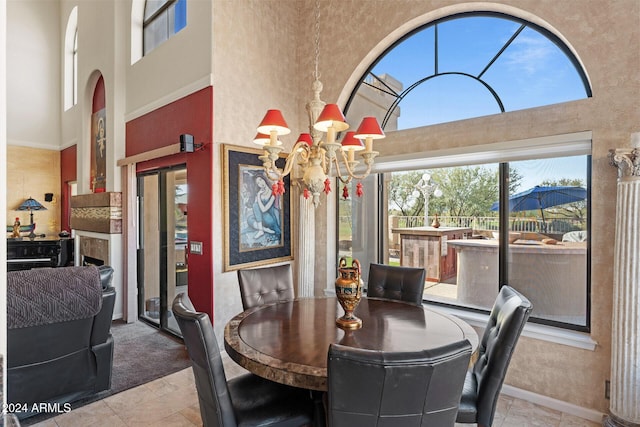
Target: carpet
[(141, 354)]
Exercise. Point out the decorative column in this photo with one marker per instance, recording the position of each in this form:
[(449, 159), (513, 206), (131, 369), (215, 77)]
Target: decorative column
[(306, 247), (624, 409)]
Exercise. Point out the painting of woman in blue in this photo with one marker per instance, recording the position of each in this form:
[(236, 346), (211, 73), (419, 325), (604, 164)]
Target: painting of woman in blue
[(260, 212)]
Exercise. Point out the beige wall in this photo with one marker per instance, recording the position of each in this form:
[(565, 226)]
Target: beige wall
[(256, 52), (32, 172), (33, 97)]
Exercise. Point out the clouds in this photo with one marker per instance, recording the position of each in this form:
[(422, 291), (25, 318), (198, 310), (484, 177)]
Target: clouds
[(530, 52)]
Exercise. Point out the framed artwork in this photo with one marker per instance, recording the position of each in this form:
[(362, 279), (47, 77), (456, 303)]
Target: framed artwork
[(98, 151), (257, 224)]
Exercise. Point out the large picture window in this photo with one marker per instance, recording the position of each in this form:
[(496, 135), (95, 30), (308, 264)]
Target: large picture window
[(457, 241)]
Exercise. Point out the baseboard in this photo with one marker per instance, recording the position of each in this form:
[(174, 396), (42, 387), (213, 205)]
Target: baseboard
[(549, 402)]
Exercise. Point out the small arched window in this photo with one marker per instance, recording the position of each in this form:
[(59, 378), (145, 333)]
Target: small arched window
[(71, 61), (162, 19)]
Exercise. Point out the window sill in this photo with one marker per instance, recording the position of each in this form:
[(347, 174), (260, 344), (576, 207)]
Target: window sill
[(552, 334)]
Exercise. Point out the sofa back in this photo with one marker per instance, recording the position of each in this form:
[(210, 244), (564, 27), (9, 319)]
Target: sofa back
[(56, 356)]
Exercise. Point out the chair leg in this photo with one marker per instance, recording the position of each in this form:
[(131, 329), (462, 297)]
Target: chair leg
[(319, 403)]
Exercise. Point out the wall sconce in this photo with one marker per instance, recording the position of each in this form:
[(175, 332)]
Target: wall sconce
[(48, 197)]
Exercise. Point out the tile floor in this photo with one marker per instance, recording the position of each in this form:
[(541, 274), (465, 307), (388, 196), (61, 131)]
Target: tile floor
[(171, 401)]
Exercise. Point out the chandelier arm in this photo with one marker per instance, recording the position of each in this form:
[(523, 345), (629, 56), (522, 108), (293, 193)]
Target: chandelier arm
[(326, 166), (300, 149), (274, 173), (345, 180), (350, 171)]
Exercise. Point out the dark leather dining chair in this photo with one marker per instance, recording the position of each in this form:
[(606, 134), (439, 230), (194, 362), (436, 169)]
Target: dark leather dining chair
[(397, 283), (246, 400), (265, 285), (484, 381), (377, 388)]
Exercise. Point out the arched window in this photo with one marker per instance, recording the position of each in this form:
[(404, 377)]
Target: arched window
[(71, 60), (469, 65), (162, 19), (446, 212)]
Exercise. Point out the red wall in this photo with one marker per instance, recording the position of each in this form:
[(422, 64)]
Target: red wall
[(68, 173), (193, 115), (99, 98)]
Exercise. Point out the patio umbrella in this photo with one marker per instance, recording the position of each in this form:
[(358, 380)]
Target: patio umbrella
[(542, 197)]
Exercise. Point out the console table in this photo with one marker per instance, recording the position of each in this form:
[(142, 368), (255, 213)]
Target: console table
[(25, 254)]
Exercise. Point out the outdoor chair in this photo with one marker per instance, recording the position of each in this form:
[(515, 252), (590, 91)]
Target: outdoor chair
[(396, 283), (484, 381), (265, 285), (246, 400), (377, 388)]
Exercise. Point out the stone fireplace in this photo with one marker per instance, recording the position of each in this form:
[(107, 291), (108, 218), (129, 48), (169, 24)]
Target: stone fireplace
[(93, 251)]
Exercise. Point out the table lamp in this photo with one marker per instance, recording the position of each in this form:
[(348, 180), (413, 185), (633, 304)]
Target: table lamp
[(31, 205)]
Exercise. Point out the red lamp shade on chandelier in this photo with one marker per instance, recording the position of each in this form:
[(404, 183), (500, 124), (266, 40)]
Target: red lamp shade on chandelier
[(274, 125), (331, 117), (369, 130), (351, 143)]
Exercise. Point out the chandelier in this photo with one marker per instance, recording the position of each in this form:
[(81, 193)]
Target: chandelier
[(317, 152)]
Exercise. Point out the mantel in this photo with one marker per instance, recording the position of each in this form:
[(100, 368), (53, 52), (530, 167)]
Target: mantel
[(98, 212)]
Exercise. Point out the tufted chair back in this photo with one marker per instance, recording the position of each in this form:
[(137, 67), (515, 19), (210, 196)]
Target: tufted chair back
[(397, 283), (265, 285), (216, 407), (484, 382), (376, 388)]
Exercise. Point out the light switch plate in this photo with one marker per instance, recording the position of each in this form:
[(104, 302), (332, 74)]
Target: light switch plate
[(195, 248)]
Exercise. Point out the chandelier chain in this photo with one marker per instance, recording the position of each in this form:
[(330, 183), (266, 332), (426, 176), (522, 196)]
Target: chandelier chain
[(316, 74), (310, 156)]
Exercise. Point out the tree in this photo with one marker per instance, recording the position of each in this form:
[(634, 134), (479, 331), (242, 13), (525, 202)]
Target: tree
[(466, 191), (401, 188)]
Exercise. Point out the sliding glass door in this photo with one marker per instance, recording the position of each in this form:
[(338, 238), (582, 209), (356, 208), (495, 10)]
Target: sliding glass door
[(162, 244)]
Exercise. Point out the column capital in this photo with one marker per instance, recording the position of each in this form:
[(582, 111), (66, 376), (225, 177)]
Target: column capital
[(627, 160)]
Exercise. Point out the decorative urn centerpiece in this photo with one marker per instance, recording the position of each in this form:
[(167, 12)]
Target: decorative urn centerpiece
[(349, 293)]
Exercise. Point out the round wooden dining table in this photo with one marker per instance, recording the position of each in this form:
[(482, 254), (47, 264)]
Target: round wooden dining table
[(287, 342)]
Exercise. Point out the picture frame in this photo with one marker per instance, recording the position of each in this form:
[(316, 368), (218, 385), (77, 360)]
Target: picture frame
[(257, 224)]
